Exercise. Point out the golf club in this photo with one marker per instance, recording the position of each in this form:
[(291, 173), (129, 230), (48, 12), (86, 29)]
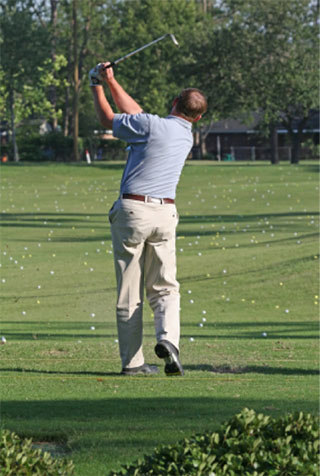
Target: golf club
[(173, 38)]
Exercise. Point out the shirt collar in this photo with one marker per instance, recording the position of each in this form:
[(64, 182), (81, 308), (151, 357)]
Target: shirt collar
[(183, 122)]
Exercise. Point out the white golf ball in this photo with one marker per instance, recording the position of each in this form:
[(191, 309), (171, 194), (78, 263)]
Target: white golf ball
[(264, 334), (92, 328)]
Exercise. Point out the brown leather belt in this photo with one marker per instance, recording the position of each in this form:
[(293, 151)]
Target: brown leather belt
[(146, 198)]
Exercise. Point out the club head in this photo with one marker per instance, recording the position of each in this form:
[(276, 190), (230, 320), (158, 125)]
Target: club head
[(173, 38)]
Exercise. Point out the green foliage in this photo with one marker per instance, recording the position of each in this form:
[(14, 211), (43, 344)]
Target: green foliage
[(19, 458), (248, 444), (51, 146), (156, 75), (114, 150)]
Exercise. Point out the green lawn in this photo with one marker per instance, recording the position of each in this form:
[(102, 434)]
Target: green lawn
[(248, 262)]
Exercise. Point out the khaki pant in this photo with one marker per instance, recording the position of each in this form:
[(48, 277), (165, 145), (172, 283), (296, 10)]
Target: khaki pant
[(143, 236)]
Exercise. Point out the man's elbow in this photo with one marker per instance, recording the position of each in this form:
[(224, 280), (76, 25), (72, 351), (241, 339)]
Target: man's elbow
[(106, 122)]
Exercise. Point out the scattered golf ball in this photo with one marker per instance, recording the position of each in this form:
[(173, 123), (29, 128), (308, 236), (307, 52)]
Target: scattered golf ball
[(92, 328), (191, 339), (92, 314), (264, 334), (3, 340)]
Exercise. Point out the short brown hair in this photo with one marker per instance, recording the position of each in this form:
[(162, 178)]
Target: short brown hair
[(191, 103)]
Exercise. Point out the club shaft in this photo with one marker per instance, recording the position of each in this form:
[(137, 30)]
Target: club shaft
[(136, 51)]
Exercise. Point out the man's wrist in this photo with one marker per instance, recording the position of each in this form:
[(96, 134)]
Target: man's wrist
[(111, 81)]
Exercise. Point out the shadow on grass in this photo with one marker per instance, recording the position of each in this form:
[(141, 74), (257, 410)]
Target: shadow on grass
[(239, 218), (62, 372), (118, 165), (291, 263), (220, 369), (43, 330), (255, 369), (123, 427)]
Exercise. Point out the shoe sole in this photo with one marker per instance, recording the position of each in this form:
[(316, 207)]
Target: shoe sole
[(170, 359), (153, 371)]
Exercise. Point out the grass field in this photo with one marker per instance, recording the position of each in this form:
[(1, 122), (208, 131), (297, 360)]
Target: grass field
[(248, 262)]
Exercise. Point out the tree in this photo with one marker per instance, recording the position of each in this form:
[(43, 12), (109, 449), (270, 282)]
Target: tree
[(260, 56), (24, 47), (156, 75)]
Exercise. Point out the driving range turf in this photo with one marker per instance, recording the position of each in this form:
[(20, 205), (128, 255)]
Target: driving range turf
[(248, 262)]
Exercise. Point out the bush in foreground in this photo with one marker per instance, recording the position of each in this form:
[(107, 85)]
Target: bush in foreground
[(19, 458), (248, 444)]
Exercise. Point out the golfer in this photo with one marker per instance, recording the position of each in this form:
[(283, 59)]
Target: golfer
[(144, 218)]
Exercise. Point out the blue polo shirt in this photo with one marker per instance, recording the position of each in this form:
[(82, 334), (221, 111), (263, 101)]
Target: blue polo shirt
[(158, 150)]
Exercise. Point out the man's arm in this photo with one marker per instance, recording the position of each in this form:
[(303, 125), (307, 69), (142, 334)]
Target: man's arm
[(124, 102), (103, 109)]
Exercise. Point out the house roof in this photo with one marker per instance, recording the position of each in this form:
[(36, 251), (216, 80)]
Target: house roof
[(236, 126)]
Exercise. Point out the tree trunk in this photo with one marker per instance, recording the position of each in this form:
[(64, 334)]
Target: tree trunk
[(67, 119), (66, 113), (296, 146), (196, 153), (203, 145), (274, 145), (75, 111), (53, 89), (16, 157), (296, 138)]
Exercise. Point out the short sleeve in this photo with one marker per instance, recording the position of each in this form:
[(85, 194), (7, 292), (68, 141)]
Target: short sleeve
[(131, 128)]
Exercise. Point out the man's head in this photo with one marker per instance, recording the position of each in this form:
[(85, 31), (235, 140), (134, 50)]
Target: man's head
[(190, 104)]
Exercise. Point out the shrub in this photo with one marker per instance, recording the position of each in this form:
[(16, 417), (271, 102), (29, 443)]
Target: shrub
[(55, 146), (30, 146), (248, 444), (19, 458)]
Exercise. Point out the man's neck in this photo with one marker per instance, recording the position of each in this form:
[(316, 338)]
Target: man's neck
[(182, 116)]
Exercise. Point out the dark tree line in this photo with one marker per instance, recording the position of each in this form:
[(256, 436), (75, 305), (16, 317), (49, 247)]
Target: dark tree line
[(247, 55)]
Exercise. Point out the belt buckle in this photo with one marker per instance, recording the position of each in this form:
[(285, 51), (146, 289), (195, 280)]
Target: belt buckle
[(154, 200)]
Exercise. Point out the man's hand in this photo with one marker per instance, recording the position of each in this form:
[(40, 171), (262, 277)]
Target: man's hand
[(106, 73), (98, 74), (95, 76)]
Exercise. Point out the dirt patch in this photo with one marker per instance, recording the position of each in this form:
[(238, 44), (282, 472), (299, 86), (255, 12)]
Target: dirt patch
[(56, 352), (227, 369), (55, 449)]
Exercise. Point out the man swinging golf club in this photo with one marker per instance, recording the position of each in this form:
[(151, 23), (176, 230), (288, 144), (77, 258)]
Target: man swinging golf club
[(144, 218)]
